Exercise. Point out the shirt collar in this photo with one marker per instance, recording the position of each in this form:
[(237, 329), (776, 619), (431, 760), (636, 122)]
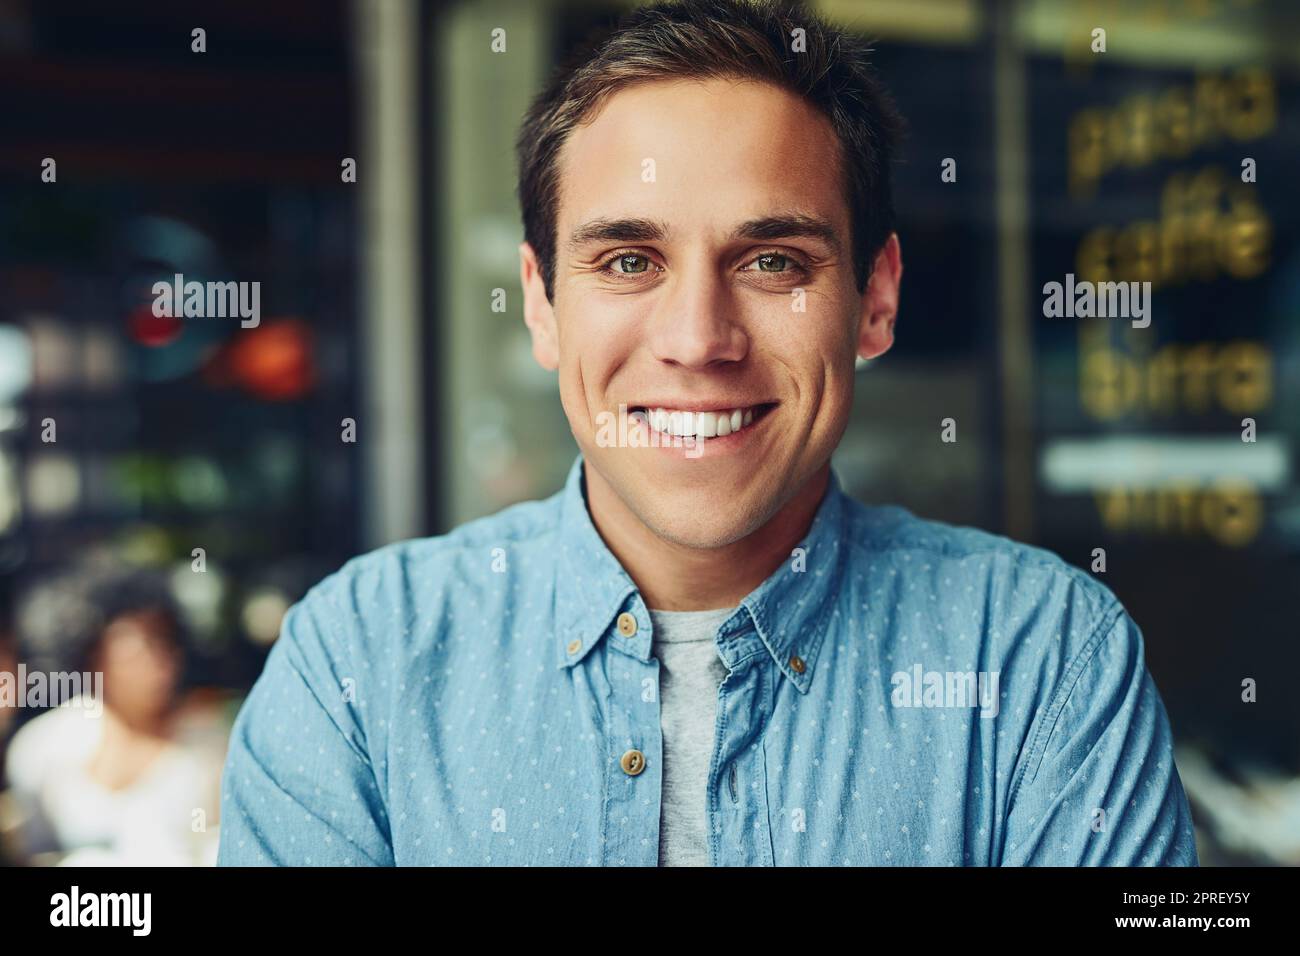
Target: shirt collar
[(790, 610)]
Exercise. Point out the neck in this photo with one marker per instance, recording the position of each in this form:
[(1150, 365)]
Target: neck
[(676, 577), (127, 723)]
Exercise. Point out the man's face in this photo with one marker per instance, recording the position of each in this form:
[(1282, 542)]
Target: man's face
[(704, 282)]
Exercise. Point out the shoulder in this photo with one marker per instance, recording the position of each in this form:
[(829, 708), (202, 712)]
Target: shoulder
[(60, 736), (381, 596), (529, 523), (894, 533), (1015, 589)]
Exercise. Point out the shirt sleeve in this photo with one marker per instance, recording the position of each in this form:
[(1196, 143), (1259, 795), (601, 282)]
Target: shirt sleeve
[(1104, 791), (298, 787)]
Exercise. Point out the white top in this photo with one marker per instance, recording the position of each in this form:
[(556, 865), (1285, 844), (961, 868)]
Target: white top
[(152, 822), (690, 672)]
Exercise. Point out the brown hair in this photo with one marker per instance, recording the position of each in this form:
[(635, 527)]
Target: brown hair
[(701, 39)]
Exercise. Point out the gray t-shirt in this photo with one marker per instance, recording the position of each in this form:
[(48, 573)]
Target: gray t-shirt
[(690, 671)]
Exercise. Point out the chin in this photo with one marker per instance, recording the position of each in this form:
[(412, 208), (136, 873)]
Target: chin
[(703, 524), (705, 503)]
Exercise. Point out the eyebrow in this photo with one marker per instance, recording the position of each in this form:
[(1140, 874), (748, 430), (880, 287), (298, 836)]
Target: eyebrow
[(618, 230), (765, 228), (792, 226)]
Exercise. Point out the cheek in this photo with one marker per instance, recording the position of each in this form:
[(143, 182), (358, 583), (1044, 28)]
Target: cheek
[(840, 379), (596, 346), (574, 403), (580, 375), (828, 374), (819, 352)]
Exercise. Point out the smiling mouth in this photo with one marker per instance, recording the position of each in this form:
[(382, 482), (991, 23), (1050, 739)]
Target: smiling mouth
[(704, 424)]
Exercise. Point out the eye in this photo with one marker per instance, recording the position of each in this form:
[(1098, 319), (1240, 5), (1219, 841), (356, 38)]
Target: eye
[(776, 263), (627, 263), (772, 262)]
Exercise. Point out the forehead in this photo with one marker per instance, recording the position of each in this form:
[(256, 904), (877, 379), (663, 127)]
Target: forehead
[(145, 621), (701, 155)]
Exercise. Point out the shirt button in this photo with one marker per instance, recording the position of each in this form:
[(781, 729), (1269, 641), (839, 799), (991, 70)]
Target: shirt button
[(633, 762), (574, 645), (626, 624), (796, 664)]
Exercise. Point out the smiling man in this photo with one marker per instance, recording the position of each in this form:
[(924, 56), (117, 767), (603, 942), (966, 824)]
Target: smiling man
[(700, 651)]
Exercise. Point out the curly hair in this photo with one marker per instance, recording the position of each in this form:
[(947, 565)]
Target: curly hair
[(60, 621)]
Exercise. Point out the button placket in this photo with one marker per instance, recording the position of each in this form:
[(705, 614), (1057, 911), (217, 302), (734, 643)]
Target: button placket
[(634, 746), (737, 799)]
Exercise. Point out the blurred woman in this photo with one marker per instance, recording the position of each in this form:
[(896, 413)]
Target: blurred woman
[(112, 781)]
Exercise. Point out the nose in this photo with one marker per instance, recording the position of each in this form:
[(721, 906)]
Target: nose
[(697, 326)]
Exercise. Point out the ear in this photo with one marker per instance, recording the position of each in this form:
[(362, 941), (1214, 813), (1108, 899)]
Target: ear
[(880, 301), (538, 314)]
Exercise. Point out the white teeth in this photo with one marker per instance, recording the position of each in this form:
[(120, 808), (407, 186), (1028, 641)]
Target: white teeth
[(702, 424)]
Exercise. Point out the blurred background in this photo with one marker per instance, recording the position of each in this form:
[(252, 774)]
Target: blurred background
[(168, 489)]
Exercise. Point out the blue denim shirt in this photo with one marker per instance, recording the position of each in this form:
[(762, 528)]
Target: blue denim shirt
[(899, 692)]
